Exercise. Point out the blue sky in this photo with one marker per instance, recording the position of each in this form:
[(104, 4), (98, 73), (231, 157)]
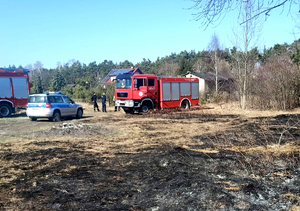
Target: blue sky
[(118, 30)]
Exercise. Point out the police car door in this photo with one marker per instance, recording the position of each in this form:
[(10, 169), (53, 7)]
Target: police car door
[(70, 108), (59, 103)]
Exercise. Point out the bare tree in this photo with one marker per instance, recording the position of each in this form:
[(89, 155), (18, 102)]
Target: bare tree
[(38, 66), (58, 66), (214, 49), (71, 62), (215, 10), (275, 86), (199, 65), (35, 70), (168, 68), (243, 59), (29, 67)]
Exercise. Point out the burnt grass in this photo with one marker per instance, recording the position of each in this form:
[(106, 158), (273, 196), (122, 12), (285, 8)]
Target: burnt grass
[(164, 177)]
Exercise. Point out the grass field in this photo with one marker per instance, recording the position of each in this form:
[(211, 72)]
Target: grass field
[(206, 158)]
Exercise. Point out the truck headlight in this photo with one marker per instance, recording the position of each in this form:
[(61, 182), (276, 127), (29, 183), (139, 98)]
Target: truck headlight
[(130, 103)]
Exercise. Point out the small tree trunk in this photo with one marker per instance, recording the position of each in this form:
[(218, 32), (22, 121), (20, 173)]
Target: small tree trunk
[(243, 100), (216, 69)]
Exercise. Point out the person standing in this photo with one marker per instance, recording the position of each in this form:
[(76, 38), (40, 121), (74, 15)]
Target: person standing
[(94, 100), (116, 107), (103, 102)]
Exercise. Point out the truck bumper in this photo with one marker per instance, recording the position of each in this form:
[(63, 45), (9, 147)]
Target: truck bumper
[(127, 103), (39, 112)]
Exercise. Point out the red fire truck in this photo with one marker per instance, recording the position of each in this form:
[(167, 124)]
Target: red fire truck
[(14, 90), (142, 92)]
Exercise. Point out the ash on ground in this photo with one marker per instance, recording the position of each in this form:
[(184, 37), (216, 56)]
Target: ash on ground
[(78, 130)]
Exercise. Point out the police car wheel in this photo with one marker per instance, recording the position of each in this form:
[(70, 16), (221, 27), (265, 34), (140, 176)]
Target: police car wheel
[(56, 116), (32, 118), (79, 114)]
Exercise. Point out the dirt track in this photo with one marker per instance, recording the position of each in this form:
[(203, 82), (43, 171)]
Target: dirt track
[(202, 159)]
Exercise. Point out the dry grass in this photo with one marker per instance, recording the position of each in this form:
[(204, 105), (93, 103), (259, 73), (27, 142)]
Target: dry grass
[(201, 131), (228, 185), (276, 150)]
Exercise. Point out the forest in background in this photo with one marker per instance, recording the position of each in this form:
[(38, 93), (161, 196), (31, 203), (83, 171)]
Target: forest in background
[(273, 76)]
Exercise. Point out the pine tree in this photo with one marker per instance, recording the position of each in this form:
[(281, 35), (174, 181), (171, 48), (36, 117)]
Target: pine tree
[(37, 86), (57, 82)]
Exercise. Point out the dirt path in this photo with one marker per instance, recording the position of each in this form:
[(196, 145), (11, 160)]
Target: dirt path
[(208, 158)]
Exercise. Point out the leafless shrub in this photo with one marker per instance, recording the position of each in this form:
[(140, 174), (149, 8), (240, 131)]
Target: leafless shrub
[(276, 85), (287, 129), (168, 68)]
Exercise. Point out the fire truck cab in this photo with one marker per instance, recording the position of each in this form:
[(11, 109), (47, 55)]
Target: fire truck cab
[(14, 90), (142, 92)]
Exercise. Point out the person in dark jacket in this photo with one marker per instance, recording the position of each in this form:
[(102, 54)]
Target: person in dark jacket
[(103, 102), (94, 100)]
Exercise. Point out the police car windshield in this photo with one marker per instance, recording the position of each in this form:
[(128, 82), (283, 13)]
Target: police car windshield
[(123, 83)]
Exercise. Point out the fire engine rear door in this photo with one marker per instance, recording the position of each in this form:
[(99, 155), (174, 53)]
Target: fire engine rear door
[(152, 90)]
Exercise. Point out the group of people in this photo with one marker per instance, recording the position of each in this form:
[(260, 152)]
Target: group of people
[(103, 97)]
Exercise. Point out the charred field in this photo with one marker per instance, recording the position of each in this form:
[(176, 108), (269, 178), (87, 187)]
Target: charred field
[(202, 159)]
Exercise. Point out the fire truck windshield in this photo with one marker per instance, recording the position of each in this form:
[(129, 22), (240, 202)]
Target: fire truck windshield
[(123, 83)]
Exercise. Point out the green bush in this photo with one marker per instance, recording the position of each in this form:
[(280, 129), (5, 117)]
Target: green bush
[(202, 100), (67, 90), (80, 92)]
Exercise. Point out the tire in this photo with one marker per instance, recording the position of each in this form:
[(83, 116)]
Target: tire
[(5, 110), (185, 104), (56, 116), (79, 113), (145, 108), (33, 118)]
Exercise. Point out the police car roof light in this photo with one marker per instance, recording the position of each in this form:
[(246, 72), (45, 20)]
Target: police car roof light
[(51, 93)]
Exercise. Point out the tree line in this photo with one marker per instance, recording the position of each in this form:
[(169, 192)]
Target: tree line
[(273, 75)]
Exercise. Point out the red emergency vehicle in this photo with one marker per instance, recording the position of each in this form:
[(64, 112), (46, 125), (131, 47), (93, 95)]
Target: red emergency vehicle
[(14, 90), (142, 92)]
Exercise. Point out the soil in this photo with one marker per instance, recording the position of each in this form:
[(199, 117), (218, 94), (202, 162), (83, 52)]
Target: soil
[(213, 157)]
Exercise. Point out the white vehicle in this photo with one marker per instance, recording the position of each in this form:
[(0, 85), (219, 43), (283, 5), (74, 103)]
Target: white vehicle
[(52, 105)]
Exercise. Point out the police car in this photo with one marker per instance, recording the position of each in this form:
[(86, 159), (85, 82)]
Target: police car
[(52, 105)]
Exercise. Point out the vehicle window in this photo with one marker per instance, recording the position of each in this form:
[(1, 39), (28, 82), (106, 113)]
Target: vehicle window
[(123, 83), (68, 100), (51, 99), (139, 82), (58, 99), (37, 99), (151, 82)]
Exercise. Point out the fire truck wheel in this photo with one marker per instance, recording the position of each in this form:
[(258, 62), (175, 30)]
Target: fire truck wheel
[(5, 110), (145, 108), (185, 104)]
